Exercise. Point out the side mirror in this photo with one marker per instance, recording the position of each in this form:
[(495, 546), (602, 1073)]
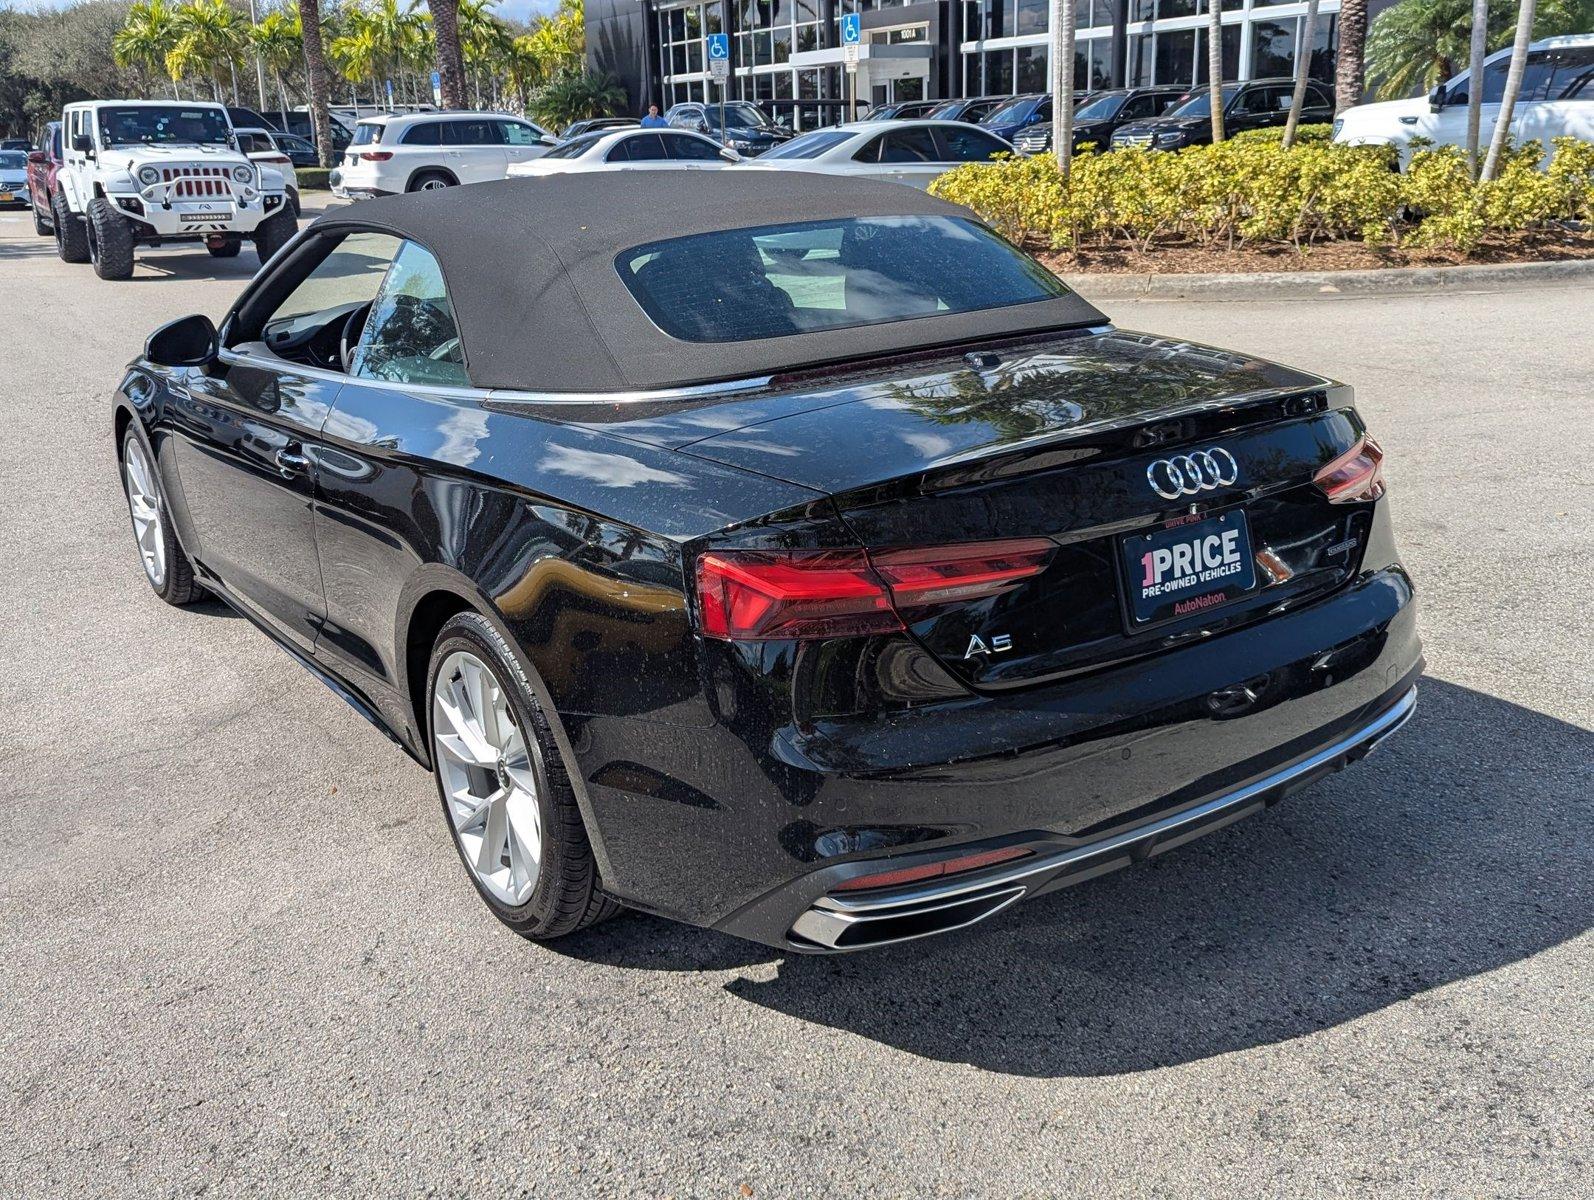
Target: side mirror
[(82, 143), (1436, 98), (729, 155), (548, 140), (185, 342), (38, 156)]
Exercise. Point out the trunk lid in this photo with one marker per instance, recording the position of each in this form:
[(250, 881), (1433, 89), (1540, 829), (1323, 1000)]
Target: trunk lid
[(1072, 440)]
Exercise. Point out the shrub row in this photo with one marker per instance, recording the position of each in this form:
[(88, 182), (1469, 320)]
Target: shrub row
[(1249, 190), (313, 178)]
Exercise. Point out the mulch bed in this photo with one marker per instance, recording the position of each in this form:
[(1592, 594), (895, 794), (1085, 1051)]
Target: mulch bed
[(1190, 258)]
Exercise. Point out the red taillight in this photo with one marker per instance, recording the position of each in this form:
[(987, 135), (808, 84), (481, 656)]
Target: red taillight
[(1358, 474), (935, 870), (377, 155), (273, 158), (764, 595)]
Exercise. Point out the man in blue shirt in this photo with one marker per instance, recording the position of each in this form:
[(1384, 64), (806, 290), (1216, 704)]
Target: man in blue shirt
[(653, 120)]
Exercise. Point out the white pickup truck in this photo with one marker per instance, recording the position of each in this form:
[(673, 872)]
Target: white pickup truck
[(1557, 100), (154, 171)]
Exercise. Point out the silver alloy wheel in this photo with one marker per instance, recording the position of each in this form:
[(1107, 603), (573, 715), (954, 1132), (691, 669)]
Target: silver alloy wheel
[(489, 781), (433, 185), (144, 504)]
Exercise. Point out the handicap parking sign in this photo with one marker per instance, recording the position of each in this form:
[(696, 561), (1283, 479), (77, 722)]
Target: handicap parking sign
[(719, 47), (851, 29)]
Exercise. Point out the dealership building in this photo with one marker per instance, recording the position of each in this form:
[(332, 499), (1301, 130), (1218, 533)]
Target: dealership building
[(789, 53)]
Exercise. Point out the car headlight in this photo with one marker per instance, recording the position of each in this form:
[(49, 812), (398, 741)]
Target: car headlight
[(1169, 137), (243, 174), (149, 175), (1339, 124)]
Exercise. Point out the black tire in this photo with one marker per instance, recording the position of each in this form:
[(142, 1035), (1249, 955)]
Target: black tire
[(225, 250), (110, 240), (71, 232), (566, 896), (274, 233), (293, 204), (428, 181), (40, 226), (177, 585)]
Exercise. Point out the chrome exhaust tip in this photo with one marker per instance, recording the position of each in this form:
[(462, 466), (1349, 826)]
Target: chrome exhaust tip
[(857, 923)]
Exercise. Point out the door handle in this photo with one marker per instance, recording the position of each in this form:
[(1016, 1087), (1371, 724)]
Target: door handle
[(291, 463)]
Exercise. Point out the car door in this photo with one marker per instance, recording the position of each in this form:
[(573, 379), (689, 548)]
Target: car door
[(909, 156), (1448, 126), (689, 152), (1255, 108), (398, 408), (246, 433), (640, 152), (522, 142), (1557, 97), (474, 149), (961, 144)]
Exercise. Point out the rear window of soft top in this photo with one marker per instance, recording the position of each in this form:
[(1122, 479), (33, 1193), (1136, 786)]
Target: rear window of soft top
[(776, 280)]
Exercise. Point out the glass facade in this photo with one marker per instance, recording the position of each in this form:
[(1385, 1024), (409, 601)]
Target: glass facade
[(974, 47)]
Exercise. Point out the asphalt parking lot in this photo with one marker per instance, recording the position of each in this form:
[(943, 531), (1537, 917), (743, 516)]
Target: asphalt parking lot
[(240, 956)]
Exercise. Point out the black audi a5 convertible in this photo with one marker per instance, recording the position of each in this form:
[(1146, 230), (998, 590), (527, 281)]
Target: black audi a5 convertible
[(807, 563)]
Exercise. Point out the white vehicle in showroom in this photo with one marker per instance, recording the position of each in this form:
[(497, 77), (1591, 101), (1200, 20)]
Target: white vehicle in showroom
[(1557, 100), (910, 152), (420, 152), (630, 149), (157, 171)]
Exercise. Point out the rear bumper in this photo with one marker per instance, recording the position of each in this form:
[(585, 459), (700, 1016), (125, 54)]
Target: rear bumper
[(746, 830), (862, 920)]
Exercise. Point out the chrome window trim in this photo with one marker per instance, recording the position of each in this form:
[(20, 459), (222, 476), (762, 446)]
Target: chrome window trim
[(235, 357)]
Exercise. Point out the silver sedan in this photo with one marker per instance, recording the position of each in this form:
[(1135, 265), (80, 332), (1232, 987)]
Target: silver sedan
[(911, 152)]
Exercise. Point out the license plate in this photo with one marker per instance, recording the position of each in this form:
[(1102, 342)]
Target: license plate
[(1188, 568), (6, 197)]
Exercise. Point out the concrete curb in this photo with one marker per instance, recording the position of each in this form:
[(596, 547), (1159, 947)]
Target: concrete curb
[(1298, 284)]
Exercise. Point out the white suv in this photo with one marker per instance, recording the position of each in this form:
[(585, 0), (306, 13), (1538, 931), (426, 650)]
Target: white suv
[(422, 151), (1557, 100)]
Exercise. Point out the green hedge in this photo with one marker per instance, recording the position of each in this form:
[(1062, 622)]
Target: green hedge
[(1249, 190), (313, 178)]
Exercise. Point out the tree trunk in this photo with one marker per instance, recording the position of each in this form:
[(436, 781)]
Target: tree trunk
[(450, 58), (1303, 67), (282, 97), (1350, 68), (315, 69), (1480, 50), (1215, 67), (1513, 88), (1063, 39)]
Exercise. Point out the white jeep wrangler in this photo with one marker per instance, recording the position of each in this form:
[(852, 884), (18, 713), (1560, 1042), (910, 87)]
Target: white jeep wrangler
[(154, 171)]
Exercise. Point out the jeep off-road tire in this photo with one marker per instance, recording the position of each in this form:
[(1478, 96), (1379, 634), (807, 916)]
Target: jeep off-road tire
[(40, 226), (225, 250), (274, 233), (110, 240), (507, 801), (71, 232)]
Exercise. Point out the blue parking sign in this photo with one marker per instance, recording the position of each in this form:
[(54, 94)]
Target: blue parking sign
[(719, 47), (851, 29)]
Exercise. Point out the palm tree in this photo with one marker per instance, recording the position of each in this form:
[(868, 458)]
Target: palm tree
[(450, 56), (575, 96), (315, 69), (355, 49), (1513, 89), (483, 41), (278, 45), (1063, 39), (1215, 67), (393, 34), (1303, 65), (146, 38), (1350, 65), (1480, 50), (211, 36)]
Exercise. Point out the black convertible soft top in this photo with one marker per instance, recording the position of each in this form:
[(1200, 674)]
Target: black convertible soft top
[(530, 269)]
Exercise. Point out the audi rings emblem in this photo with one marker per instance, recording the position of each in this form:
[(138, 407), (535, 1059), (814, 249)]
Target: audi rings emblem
[(1187, 474)]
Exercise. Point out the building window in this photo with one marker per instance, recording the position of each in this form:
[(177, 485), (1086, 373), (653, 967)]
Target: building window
[(1031, 75)]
